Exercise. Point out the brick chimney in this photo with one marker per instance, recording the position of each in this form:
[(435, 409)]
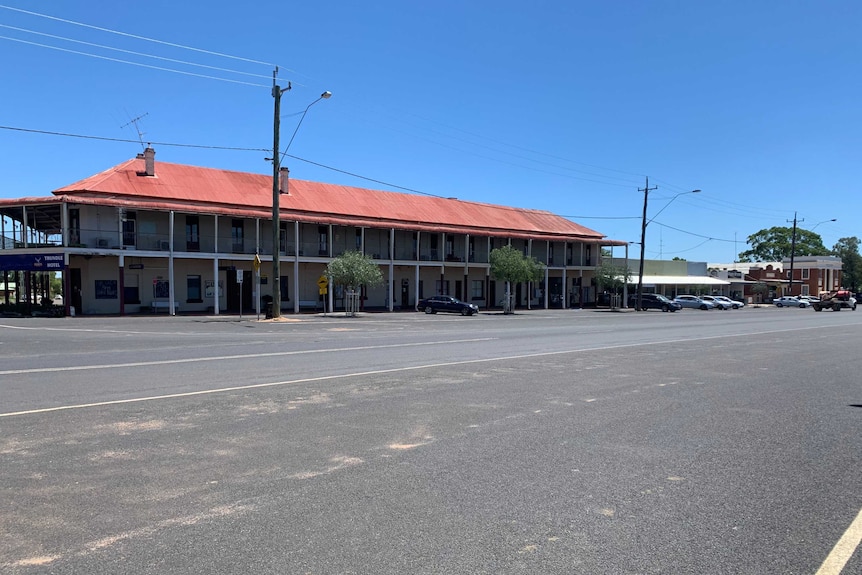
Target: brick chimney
[(283, 181), (150, 161)]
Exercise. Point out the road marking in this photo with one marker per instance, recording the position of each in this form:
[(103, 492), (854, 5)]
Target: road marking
[(339, 376), (232, 357), (303, 380), (844, 549)]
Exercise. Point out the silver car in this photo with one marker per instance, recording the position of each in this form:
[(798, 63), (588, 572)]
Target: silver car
[(720, 304), (791, 301), (734, 304), (693, 301)]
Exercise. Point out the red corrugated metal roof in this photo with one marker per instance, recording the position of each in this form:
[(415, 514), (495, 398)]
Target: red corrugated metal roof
[(207, 190)]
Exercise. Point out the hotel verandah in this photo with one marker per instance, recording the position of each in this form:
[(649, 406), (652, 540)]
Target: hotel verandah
[(142, 234)]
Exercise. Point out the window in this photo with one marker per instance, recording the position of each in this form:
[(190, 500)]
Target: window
[(193, 289), (442, 287), (282, 237), (477, 289), (322, 240), (806, 273), (129, 229), (236, 235), (471, 249), (193, 239), (74, 226), (359, 239)]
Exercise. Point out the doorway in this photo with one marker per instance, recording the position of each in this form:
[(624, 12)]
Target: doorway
[(239, 295)]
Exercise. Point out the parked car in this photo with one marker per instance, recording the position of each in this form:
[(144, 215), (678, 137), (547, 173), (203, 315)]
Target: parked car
[(734, 304), (720, 304), (437, 303), (809, 298), (791, 301), (693, 301), (654, 301)]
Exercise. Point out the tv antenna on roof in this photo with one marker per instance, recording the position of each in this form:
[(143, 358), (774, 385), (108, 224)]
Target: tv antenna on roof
[(137, 128)]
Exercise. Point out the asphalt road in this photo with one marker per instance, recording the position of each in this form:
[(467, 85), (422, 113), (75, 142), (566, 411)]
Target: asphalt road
[(545, 442)]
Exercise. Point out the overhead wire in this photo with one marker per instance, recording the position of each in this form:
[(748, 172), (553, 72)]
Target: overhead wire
[(253, 61), (124, 140), (132, 52), (135, 36), (161, 68)]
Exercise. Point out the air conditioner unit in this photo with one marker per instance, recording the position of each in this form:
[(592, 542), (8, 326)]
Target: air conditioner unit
[(164, 245), (102, 243)]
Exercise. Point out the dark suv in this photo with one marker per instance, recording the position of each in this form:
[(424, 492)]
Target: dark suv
[(654, 301)]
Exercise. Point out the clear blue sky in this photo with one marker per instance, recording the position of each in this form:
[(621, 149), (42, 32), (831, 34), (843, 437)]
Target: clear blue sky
[(565, 106)]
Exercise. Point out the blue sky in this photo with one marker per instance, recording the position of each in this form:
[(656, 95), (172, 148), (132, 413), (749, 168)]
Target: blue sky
[(565, 106)]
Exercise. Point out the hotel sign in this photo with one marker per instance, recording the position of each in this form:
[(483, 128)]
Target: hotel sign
[(32, 262)]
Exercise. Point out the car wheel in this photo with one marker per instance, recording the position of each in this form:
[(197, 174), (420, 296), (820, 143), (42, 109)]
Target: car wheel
[(779, 305), (664, 307), (429, 309), (736, 307), (704, 307), (836, 307), (465, 311)]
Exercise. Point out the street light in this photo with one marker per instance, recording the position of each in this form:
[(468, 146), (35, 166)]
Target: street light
[(823, 222), (277, 91), (646, 191)]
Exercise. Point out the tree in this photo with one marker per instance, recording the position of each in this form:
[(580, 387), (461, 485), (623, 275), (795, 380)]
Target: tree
[(352, 270), (776, 243), (510, 265), (609, 276), (851, 262)]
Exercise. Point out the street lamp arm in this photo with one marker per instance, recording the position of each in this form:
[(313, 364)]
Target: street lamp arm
[(325, 96), (670, 202)]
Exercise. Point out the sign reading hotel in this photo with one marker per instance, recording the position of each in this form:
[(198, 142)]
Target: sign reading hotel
[(32, 262)]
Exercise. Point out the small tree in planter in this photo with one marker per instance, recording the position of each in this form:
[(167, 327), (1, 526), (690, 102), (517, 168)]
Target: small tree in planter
[(760, 289), (612, 278), (510, 265), (352, 270)]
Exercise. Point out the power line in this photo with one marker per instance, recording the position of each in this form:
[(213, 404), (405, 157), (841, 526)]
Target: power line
[(230, 148), (132, 52), (135, 36), (123, 140), (163, 69), (694, 234)]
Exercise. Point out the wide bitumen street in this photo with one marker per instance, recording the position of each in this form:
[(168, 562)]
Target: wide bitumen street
[(562, 441)]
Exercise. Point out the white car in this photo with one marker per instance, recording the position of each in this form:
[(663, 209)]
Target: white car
[(734, 304), (791, 301)]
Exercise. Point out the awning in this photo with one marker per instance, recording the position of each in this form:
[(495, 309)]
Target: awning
[(681, 280)]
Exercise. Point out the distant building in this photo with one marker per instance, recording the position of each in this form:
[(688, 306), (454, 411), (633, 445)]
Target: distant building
[(812, 275)]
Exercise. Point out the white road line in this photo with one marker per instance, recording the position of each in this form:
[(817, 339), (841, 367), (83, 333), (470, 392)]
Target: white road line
[(843, 550), (230, 357), (347, 375), (304, 380)]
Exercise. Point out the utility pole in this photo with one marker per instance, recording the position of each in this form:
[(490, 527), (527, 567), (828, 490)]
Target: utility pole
[(277, 91), (792, 253), (646, 190)]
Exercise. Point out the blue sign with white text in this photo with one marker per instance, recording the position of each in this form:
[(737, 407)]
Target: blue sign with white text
[(32, 262)]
